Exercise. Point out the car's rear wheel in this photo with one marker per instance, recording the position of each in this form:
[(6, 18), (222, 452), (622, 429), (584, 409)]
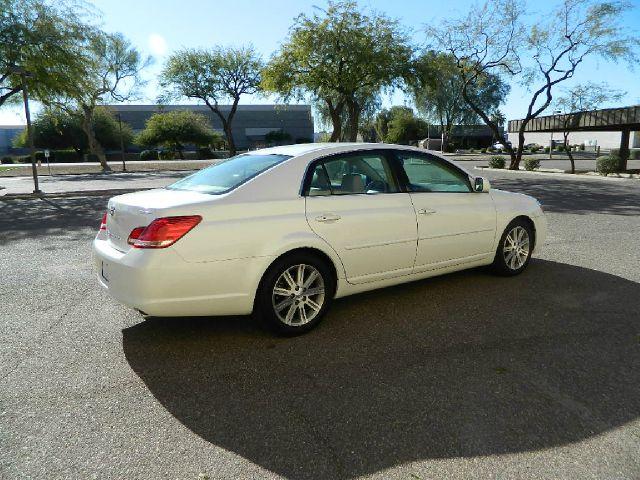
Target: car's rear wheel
[(295, 293), (515, 248)]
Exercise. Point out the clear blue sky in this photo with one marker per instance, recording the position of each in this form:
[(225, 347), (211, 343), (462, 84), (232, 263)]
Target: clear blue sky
[(158, 27)]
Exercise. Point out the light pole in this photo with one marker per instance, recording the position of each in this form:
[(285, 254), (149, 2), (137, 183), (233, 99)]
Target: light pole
[(27, 114), (124, 167)]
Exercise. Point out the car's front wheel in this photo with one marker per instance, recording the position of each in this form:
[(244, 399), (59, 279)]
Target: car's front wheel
[(295, 293), (515, 248)]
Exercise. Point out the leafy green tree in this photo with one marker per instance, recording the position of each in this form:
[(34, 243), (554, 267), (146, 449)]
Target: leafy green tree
[(57, 129), (583, 98), (43, 41), (501, 39), (370, 106), (436, 87), (175, 129), (277, 137), (339, 57), (384, 118), (212, 76), (112, 75), (403, 126)]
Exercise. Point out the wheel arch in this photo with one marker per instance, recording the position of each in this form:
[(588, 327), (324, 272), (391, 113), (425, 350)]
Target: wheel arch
[(530, 222)]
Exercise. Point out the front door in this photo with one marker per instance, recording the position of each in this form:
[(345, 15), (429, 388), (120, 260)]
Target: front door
[(455, 224), (353, 202)]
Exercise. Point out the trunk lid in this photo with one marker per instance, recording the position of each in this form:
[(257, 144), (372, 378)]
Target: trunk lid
[(126, 212)]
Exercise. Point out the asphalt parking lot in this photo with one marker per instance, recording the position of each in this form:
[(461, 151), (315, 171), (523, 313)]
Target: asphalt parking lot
[(462, 376)]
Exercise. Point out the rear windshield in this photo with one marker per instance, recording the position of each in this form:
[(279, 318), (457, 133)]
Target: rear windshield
[(227, 175)]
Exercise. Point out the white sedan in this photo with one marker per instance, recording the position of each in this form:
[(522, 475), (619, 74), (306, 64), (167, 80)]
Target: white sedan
[(285, 230)]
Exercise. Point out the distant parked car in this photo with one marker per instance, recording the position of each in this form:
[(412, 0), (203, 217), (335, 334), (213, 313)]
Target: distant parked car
[(499, 147), (285, 230)]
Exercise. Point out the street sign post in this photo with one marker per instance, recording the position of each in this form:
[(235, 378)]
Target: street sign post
[(46, 157)]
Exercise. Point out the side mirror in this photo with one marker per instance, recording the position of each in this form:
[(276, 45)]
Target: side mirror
[(481, 185)]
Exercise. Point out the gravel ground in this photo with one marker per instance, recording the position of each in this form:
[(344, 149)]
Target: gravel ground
[(462, 376)]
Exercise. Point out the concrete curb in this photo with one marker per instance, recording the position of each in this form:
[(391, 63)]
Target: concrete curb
[(77, 193), (572, 176)]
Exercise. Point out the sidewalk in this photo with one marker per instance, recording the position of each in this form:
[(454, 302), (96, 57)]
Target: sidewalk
[(88, 183), (24, 169)]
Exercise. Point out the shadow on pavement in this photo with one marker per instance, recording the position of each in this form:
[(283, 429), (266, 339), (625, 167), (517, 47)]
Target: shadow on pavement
[(33, 218), (578, 197), (463, 365)]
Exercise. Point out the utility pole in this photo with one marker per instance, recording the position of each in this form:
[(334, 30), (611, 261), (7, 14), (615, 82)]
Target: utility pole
[(32, 148), (124, 167)]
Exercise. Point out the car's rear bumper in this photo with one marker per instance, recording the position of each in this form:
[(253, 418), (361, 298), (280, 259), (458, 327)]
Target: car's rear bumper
[(160, 283)]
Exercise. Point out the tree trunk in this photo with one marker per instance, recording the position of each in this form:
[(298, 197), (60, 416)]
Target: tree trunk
[(568, 150), (354, 120), (624, 150), (231, 144), (515, 157), (94, 146), (336, 119), (226, 123)]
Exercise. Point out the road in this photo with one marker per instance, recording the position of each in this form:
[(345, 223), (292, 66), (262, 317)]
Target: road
[(465, 376)]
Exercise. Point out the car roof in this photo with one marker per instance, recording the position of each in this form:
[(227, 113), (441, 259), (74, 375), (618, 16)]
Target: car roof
[(304, 148)]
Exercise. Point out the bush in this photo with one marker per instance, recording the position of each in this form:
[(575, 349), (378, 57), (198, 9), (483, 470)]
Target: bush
[(607, 165), (166, 155), (615, 152), (531, 164), (149, 155), (204, 153), (546, 149), (483, 150), (497, 161), (534, 148), (66, 156), (8, 160), (304, 140), (560, 148), (450, 148), (60, 156), (581, 146)]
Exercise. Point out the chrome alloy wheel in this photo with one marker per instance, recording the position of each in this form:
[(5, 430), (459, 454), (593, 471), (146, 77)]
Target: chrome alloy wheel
[(516, 248), (298, 295)]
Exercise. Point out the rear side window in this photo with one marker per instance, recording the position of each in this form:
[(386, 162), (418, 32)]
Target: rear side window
[(429, 174), (364, 173), (225, 176)]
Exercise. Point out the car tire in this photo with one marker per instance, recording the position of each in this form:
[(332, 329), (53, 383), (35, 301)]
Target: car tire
[(514, 250), (289, 304)]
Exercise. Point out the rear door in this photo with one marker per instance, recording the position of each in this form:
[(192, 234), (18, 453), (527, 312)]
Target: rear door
[(354, 203), (455, 224)]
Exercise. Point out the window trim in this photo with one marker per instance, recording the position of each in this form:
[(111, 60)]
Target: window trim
[(386, 154), (404, 179)]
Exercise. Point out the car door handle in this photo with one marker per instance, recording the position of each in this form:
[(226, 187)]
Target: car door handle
[(425, 211), (328, 218)]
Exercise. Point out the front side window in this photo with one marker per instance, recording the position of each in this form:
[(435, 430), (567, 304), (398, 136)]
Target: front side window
[(229, 174), (364, 173), (426, 174)]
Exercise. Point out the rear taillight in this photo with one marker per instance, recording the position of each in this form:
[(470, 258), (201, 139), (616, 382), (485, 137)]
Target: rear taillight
[(103, 223), (162, 232)]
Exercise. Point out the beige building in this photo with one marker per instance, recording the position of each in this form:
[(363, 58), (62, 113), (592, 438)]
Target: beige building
[(605, 140)]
